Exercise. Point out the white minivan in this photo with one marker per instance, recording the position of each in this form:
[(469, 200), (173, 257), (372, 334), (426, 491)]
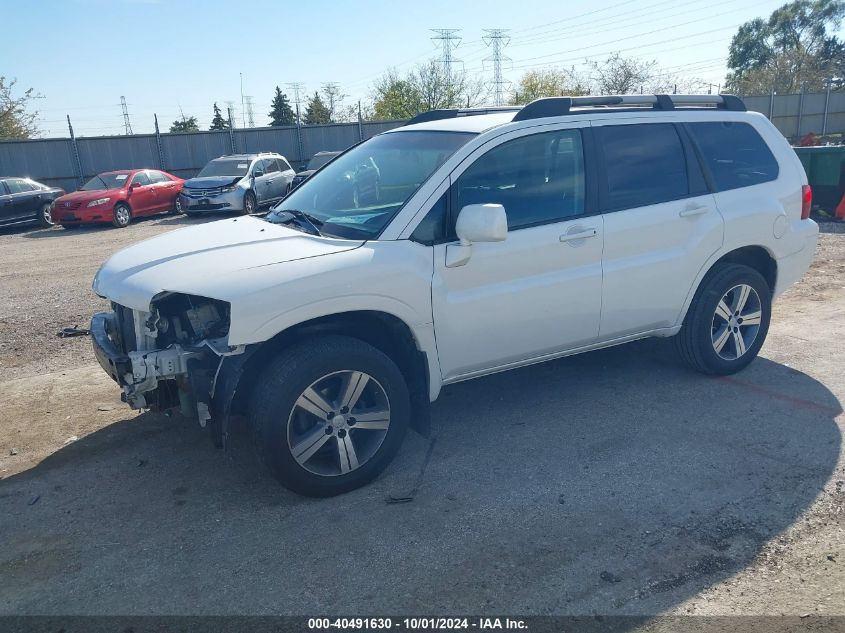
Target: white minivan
[(498, 238)]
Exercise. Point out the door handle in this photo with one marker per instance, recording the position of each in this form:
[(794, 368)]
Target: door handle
[(691, 210), (580, 235)]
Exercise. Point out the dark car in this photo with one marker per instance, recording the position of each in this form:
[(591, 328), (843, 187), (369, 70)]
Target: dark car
[(23, 201), (317, 160)]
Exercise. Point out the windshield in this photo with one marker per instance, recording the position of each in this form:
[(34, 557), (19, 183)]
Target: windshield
[(358, 193), (226, 167), (105, 181), (320, 159)]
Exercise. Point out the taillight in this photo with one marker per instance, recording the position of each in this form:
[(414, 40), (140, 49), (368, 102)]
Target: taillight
[(806, 201)]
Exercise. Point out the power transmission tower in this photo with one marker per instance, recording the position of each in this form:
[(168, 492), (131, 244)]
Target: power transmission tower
[(296, 86), (497, 40), (448, 41), (249, 113), (243, 108), (126, 122), (230, 107)]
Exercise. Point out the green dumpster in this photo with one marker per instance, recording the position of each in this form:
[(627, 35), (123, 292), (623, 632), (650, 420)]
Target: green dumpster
[(825, 167)]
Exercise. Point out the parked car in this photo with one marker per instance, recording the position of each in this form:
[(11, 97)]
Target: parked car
[(24, 201), (317, 160), (500, 240), (119, 196), (238, 182)]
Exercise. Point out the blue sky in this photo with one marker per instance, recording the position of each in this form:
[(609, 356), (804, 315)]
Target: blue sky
[(82, 55)]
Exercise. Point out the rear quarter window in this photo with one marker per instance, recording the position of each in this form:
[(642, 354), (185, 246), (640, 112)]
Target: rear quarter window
[(735, 154)]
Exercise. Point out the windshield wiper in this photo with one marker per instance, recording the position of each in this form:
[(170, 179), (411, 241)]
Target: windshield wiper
[(301, 217)]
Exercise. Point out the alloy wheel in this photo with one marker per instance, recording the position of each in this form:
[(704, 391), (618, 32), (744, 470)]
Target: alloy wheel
[(338, 423), (47, 214), (736, 322), (122, 215)]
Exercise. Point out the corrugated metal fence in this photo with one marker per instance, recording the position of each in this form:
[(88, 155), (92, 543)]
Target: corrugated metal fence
[(52, 161), (800, 114)]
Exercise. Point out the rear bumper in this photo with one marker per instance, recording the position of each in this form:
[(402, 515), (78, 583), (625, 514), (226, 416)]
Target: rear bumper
[(792, 267)]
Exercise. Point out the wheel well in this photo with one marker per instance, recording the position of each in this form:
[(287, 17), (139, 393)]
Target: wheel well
[(385, 332), (755, 257)]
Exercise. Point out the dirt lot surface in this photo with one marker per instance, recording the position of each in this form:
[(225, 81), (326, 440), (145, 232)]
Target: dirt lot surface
[(612, 482)]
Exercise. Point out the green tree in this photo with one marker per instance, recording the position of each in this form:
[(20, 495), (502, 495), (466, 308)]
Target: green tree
[(548, 82), (317, 112), (791, 51), (218, 122), (185, 125), (281, 113), (427, 87), (16, 120)]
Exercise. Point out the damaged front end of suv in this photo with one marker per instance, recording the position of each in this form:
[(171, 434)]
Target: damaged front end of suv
[(172, 356)]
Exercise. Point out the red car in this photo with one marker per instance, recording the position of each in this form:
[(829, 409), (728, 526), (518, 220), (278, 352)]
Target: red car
[(119, 196)]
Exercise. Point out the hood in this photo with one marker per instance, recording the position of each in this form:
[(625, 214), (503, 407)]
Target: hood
[(208, 182), (205, 260), (87, 196)]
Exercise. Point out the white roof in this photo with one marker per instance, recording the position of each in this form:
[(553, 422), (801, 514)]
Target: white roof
[(475, 123)]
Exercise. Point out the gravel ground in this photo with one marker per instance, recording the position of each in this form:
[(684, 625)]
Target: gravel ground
[(612, 482)]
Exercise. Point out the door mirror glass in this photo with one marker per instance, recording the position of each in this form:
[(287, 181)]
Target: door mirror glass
[(482, 223)]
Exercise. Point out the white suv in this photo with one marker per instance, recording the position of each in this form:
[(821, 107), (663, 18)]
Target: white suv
[(497, 239)]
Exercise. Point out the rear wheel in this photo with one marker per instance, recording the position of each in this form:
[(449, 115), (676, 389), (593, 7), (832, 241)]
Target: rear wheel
[(329, 415), (45, 214), (121, 216), (727, 321)]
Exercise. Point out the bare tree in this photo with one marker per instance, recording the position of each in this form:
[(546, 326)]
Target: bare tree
[(619, 75), (333, 97)]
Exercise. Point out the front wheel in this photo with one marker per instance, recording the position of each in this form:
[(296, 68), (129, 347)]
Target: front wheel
[(249, 203), (727, 321), (177, 207), (329, 415), (122, 216)]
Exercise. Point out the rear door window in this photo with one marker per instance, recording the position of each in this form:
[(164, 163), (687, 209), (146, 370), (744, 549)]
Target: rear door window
[(645, 164), (16, 185), (734, 153)]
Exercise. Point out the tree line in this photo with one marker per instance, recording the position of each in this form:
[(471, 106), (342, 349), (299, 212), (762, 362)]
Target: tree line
[(794, 49)]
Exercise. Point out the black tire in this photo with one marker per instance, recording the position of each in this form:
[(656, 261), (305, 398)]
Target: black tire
[(45, 218), (250, 204), (177, 207), (273, 411), (695, 345), (121, 215)]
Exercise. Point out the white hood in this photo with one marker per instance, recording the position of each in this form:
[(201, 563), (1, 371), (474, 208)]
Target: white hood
[(197, 260)]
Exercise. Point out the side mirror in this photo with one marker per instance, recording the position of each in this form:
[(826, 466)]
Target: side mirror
[(257, 173), (482, 223), (476, 223)]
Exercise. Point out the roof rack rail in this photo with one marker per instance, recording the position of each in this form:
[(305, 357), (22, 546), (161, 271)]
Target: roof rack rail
[(452, 113), (561, 106)]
